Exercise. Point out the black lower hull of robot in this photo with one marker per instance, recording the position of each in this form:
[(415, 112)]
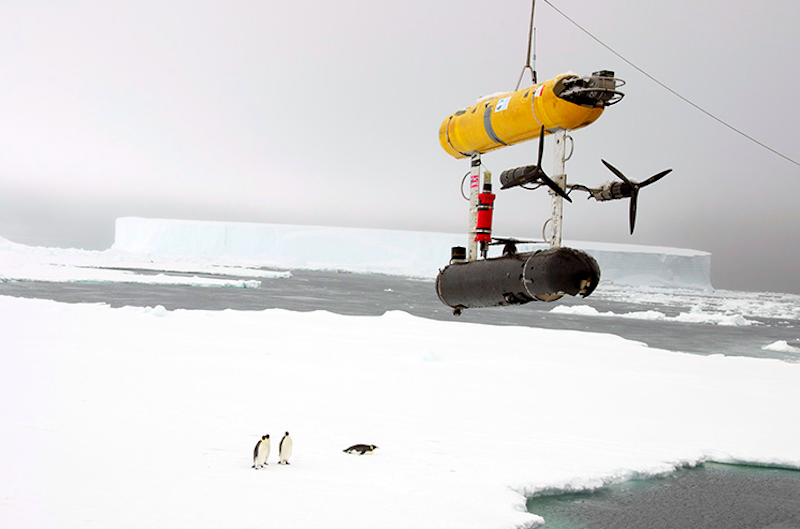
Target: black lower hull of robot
[(544, 275)]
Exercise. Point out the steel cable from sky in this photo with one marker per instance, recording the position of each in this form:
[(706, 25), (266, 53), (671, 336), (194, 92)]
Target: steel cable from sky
[(670, 90)]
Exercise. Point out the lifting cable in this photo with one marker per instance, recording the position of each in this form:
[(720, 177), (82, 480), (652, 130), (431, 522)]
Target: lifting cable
[(662, 85), (530, 40)]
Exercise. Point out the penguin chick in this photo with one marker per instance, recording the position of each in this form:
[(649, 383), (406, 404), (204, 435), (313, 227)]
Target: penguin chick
[(261, 452), (360, 449), (285, 449)]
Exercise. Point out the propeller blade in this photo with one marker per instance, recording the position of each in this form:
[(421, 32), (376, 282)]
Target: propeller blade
[(617, 172), (555, 187), (655, 178), (544, 178), (634, 200), (634, 189)]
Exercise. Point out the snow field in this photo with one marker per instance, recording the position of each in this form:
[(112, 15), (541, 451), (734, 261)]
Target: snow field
[(146, 417)]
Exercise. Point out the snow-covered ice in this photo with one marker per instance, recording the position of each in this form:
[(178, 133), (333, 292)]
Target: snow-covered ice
[(773, 305), (693, 316), (140, 417), (24, 263), (782, 346), (132, 417)]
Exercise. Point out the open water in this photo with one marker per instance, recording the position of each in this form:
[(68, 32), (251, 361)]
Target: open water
[(709, 496), (706, 497)]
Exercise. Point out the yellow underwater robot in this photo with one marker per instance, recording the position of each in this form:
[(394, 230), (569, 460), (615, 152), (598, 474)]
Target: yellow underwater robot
[(566, 102), (559, 105)]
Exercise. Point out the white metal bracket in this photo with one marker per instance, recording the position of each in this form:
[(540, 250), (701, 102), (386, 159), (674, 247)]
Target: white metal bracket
[(560, 178), (474, 190)]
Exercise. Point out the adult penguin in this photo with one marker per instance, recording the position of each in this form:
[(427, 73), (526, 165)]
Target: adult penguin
[(261, 452), (285, 449)]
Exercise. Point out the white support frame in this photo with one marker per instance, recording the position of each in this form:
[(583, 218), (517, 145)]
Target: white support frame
[(474, 190), (560, 178)]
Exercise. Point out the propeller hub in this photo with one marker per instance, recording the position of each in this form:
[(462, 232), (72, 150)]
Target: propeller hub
[(598, 90)]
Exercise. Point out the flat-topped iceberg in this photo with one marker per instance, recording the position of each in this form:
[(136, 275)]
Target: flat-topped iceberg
[(416, 254)]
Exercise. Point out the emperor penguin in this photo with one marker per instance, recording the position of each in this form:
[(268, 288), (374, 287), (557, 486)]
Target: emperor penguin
[(360, 449), (285, 449), (261, 452)]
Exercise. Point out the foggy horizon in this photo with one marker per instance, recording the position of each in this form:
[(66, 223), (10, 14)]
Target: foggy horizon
[(329, 114)]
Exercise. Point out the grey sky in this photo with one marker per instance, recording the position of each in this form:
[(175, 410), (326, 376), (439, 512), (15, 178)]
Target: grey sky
[(310, 112)]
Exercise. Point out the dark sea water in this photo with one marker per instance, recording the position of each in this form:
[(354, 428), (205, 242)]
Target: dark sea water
[(365, 294), (709, 496)]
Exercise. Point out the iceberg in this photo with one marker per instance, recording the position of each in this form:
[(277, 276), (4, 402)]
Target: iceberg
[(408, 253)]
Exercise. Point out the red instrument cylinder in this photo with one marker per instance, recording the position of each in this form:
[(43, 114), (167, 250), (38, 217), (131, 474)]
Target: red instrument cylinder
[(483, 228)]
